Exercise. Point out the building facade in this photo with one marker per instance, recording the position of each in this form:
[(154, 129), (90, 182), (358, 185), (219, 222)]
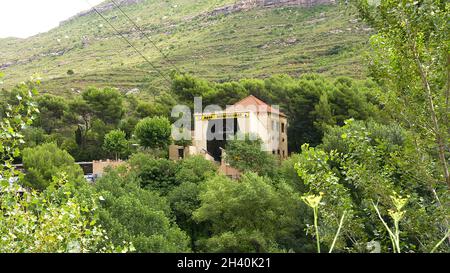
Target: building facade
[(250, 116)]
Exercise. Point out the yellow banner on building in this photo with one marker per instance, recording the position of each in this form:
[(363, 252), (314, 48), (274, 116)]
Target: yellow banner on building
[(224, 116)]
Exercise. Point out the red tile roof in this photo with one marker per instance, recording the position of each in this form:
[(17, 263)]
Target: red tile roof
[(259, 104)]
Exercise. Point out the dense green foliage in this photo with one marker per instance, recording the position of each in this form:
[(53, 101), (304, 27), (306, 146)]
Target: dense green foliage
[(157, 174), (105, 104), (115, 142), (52, 221), (193, 209), (51, 113), (411, 60), (16, 113), (311, 102), (154, 132), (43, 162), (238, 153), (195, 169), (57, 219), (130, 213), (371, 163), (250, 216)]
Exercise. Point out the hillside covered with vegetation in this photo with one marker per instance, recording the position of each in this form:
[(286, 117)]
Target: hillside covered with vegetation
[(258, 42)]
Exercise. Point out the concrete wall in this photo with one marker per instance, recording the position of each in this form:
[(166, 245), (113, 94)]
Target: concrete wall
[(260, 124), (187, 151), (98, 167)]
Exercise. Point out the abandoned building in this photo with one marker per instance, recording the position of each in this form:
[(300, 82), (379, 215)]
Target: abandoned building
[(252, 116)]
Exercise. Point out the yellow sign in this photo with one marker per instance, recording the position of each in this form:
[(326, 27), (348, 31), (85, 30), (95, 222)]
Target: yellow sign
[(224, 116)]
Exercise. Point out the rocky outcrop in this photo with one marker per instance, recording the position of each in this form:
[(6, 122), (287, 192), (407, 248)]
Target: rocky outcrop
[(102, 8), (6, 65), (250, 4), (305, 3), (241, 5)]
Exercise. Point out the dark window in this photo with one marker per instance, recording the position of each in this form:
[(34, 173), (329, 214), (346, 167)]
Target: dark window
[(220, 131), (278, 151), (273, 152), (181, 153), (282, 127)]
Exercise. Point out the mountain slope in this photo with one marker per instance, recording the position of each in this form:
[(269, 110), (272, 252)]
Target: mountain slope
[(214, 39)]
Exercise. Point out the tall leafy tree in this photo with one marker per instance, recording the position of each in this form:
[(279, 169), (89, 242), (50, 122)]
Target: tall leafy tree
[(246, 216), (82, 116), (365, 163), (51, 221), (411, 60), (184, 199), (130, 213), (156, 174), (116, 143), (187, 87), (106, 104), (19, 114), (43, 162), (51, 112), (154, 132), (239, 151)]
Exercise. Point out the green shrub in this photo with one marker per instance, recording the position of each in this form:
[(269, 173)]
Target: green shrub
[(154, 132), (43, 162)]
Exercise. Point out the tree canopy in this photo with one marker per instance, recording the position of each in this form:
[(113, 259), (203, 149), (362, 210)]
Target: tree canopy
[(154, 132)]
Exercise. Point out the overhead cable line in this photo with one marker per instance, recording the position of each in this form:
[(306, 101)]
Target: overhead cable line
[(129, 43), (146, 36)]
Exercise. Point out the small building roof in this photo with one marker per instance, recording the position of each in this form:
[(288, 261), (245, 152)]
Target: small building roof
[(260, 105)]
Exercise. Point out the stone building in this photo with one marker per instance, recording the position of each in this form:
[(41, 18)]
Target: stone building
[(212, 130)]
